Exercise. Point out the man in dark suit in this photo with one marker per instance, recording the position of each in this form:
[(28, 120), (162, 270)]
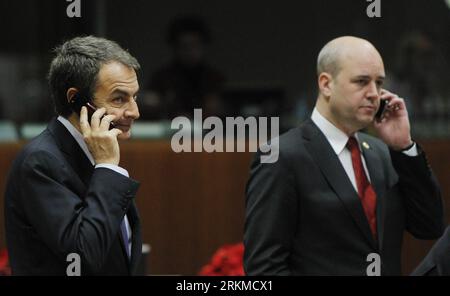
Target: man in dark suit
[(69, 207), (337, 201), (437, 262)]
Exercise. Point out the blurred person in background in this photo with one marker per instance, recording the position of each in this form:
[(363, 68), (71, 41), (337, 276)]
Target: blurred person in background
[(437, 262), (420, 72), (188, 81)]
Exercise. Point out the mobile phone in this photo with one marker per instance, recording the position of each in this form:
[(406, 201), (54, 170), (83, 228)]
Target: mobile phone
[(78, 101), (91, 109), (381, 109)]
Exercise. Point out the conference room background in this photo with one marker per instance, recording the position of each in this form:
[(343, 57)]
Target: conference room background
[(191, 204)]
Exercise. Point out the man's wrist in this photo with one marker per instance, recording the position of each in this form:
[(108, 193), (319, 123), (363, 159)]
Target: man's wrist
[(113, 167), (403, 147)]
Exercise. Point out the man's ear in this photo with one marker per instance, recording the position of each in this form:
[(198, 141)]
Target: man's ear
[(70, 93), (325, 81)]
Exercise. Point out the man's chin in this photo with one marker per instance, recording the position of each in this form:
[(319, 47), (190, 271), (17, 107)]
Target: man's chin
[(364, 122)]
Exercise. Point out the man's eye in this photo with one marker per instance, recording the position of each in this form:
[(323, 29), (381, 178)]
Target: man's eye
[(361, 82), (379, 83), (118, 100), (135, 98)]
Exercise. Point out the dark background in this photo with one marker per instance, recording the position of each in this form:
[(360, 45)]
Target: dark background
[(256, 44), (191, 204)]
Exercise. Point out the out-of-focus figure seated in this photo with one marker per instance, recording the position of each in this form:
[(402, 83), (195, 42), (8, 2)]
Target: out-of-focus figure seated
[(188, 81), (419, 71)]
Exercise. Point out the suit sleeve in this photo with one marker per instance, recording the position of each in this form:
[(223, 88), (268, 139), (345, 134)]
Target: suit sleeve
[(68, 223), (421, 194), (271, 215)]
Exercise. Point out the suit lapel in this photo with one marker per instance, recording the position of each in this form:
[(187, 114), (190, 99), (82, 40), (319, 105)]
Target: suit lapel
[(327, 160), (374, 166)]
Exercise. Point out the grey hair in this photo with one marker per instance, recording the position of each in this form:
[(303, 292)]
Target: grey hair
[(77, 63)]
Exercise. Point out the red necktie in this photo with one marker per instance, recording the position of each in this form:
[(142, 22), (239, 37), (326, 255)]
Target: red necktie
[(366, 193)]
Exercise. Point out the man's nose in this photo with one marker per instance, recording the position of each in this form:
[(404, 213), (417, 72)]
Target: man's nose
[(373, 92), (132, 110)]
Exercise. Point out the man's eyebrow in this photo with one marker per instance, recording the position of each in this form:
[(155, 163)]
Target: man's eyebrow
[(123, 92), (367, 77)]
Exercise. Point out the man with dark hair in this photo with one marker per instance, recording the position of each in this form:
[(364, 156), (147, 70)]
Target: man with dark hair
[(337, 201), (189, 24), (67, 201), (188, 81)]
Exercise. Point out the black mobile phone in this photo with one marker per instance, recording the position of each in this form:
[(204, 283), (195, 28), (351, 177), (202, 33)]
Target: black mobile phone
[(91, 109), (381, 109), (78, 101)]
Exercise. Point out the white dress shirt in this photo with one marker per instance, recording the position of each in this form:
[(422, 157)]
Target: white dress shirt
[(338, 141), (79, 138)]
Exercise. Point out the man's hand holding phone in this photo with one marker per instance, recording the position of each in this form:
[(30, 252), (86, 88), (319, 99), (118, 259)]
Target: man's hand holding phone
[(101, 141), (393, 128)]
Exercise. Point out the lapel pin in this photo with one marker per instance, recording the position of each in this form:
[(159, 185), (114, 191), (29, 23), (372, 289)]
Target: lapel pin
[(365, 145)]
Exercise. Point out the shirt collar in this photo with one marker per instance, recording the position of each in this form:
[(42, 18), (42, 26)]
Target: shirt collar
[(78, 137), (337, 138)]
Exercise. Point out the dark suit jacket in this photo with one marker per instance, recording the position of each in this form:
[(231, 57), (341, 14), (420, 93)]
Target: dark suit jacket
[(437, 262), (303, 216), (56, 203)]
